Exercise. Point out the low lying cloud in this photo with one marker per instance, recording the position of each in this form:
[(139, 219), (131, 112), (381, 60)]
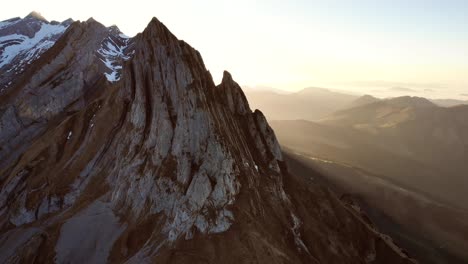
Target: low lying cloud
[(403, 89), (383, 84)]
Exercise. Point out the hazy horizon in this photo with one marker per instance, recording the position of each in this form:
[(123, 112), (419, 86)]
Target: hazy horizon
[(399, 48), (381, 92)]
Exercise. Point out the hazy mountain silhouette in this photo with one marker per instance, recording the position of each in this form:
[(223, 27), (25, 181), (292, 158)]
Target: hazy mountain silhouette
[(449, 102), (407, 138), (414, 155), (310, 103), (363, 100)]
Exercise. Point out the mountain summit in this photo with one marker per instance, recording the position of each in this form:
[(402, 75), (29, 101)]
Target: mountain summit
[(123, 150), (36, 15)]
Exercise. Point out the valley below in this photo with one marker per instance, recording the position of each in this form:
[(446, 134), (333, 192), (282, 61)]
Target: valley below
[(431, 230)]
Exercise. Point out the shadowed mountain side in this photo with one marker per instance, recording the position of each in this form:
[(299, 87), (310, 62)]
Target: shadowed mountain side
[(433, 232)]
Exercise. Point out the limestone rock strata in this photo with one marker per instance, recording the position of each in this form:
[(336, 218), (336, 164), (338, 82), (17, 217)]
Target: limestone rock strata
[(155, 165)]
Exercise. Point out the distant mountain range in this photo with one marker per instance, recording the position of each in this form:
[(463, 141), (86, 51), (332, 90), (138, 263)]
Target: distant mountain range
[(449, 102), (412, 144), (410, 139), (310, 103), (315, 103)]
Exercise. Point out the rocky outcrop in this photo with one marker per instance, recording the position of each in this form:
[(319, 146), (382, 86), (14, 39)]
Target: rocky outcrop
[(156, 165)]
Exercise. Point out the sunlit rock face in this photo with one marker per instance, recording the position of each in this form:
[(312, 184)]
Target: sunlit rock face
[(123, 150)]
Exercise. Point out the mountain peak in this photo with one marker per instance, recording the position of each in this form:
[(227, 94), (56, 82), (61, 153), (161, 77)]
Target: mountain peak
[(227, 77), (155, 20), (157, 31), (67, 22), (363, 100), (115, 29), (36, 15), (157, 26), (232, 95), (91, 20), (368, 96), (155, 23)]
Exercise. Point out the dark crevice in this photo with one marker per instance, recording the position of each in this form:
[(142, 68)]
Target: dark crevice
[(114, 131), (148, 108)]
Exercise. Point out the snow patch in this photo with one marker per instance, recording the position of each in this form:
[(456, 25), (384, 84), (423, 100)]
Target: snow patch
[(122, 35), (113, 54), (69, 135), (31, 48)]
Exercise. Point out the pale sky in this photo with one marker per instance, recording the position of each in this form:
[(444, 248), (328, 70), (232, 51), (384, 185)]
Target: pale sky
[(367, 46)]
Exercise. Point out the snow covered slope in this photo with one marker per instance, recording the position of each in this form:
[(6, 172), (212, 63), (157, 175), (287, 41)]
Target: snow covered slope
[(23, 41), (15, 44), (114, 50)]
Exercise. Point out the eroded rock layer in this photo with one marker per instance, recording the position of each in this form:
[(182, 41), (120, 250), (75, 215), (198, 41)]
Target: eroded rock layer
[(124, 151)]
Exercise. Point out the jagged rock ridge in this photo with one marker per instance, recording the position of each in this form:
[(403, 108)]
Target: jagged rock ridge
[(124, 150)]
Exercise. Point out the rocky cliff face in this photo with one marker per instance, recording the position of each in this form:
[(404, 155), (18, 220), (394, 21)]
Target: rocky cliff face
[(124, 150)]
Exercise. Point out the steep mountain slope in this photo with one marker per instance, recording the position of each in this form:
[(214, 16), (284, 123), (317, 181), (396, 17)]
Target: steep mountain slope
[(309, 104), (432, 231), (124, 151)]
